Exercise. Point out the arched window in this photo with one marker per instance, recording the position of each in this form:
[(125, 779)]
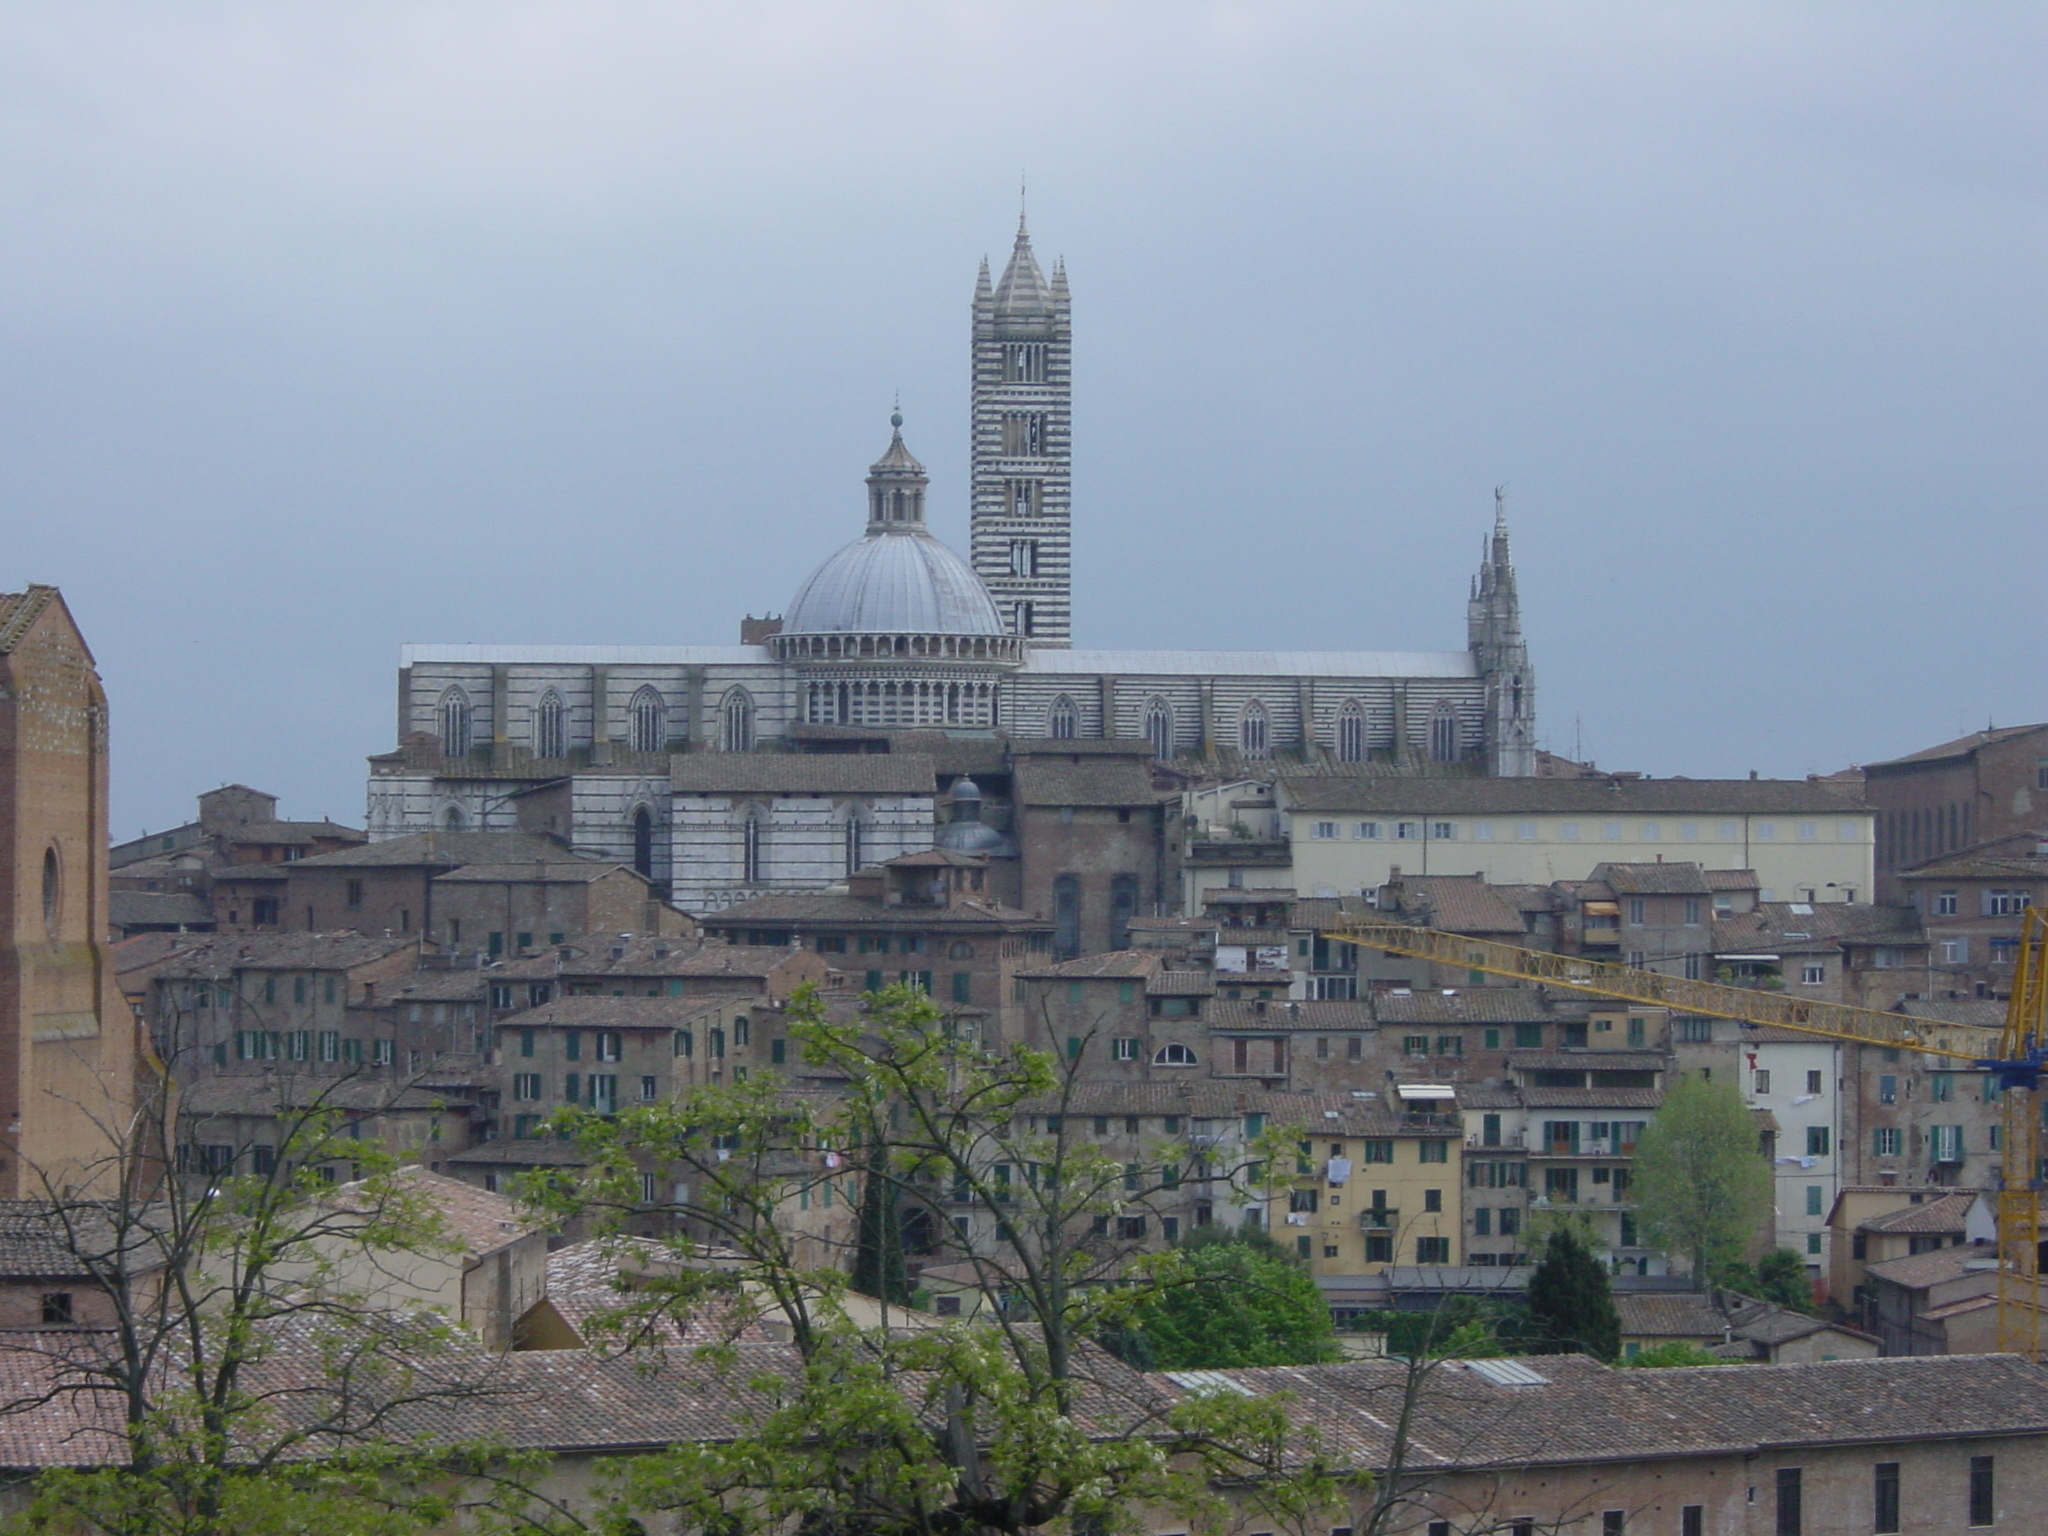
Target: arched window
[(1123, 906), (1253, 738), (53, 889), (550, 738), (647, 721), (1159, 728), (736, 721), (856, 838), (1064, 721), (751, 850), (1066, 917), (1351, 732), (643, 842), (1443, 734), (452, 818), (455, 723), (1173, 1054)]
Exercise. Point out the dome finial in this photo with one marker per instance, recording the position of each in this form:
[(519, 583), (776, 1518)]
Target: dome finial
[(896, 413)]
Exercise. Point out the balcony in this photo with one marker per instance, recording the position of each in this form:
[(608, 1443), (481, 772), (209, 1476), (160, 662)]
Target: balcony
[(1379, 1220), (1507, 1141)]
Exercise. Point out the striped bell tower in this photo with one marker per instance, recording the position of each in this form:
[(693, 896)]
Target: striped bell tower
[(1023, 457)]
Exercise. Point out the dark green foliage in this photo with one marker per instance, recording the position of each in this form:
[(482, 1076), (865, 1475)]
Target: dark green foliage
[(1570, 1307), (1701, 1184), (878, 1268), (1675, 1353), (1463, 1325), (1781, 1277), (1231, 1301)]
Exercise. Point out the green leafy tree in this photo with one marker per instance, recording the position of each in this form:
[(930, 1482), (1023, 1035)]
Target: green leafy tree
[(1701, 1185), (1235, 1300), (1570, 1305), (258, 1387), (945, 1427), (878, 1266), (1675, 1353)]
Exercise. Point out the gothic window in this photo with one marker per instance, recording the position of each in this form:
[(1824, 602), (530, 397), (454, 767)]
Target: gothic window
[(1351, 732), (647, 721), (549, 735), (455, 723), (1023, 434), (752, 839), (1253, 731), (1159, 728), (1443, 735), (1023, 557), (1023, 498), (1064, 722), (1024, 362), (736, 718), (856, 837), (1026, 621), (53, 889), (1066, 917), (452, 818), (643, 842), (1123, 906)]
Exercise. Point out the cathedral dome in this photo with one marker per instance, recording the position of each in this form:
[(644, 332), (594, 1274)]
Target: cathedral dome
[(894, 583), (899, 580)]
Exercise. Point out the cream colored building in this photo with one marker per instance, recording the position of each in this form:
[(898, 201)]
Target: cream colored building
[(1377, 1182), (1806, 841)]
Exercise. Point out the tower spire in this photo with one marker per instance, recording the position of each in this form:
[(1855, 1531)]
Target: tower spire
[(896, 484), (1023, 346), (1493, 623)]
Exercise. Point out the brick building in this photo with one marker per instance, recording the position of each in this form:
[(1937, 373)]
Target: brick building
[(68, 1041), (1977, 789)]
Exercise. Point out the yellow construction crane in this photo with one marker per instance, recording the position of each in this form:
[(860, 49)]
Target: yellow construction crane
[(2014, 1056)]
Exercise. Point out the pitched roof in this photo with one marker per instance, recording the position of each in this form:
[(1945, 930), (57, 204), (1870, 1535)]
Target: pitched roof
[(1981, 866), (478, 1221), (646, 956), (1810, 926), (1674, 879), (1460, 903), (1946, 1215), (804, 773), (125, 909), (1588, 1061), (612, 1013), (1962, 746), (1115, 963), (1564, 797), (224, 954), (1937, 1266), (444, 850), (1460, 1005), (1091, 781), (831, 907)]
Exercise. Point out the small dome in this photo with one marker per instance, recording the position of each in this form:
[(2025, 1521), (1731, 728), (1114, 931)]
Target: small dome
[(894, 583)]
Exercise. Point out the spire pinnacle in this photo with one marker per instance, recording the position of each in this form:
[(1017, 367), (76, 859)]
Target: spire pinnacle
[(1022, 288)]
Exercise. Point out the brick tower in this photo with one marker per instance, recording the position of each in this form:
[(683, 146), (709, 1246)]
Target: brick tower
[(68, 1041), (1023, 456)]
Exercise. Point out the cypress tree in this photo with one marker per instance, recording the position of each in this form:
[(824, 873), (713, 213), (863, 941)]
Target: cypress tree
[(1570, 1305), (878, 1268)]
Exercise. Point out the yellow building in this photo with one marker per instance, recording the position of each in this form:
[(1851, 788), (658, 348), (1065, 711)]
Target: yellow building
[(1377, 1182)]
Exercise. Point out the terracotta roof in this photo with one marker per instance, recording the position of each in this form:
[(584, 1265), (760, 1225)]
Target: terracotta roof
[(1461, 1005), (1110, 964), (1732, 880), (1182, 984), (1674, 879), (126, 909), (445, 850), (1277, 1013), (1588, 1061), (1982, 866), (1099, 781), (1985, 1013), (477, 1221), (293, 832), (1962, 746), (614, 1013), (829, 907), (1458, 903), (804, 773), (556, 872), (1937, 1266), (1824, 925), (1592, 1098), (1944, 1215), (224, 954)]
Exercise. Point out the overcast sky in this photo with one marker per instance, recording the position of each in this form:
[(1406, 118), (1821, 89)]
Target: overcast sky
[(329, 327)]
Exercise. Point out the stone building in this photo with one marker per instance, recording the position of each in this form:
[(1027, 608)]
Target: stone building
[(68, 1042), (724, 773)]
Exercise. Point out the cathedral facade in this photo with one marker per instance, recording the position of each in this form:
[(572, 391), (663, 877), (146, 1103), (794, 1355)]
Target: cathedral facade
[(728, 772)]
